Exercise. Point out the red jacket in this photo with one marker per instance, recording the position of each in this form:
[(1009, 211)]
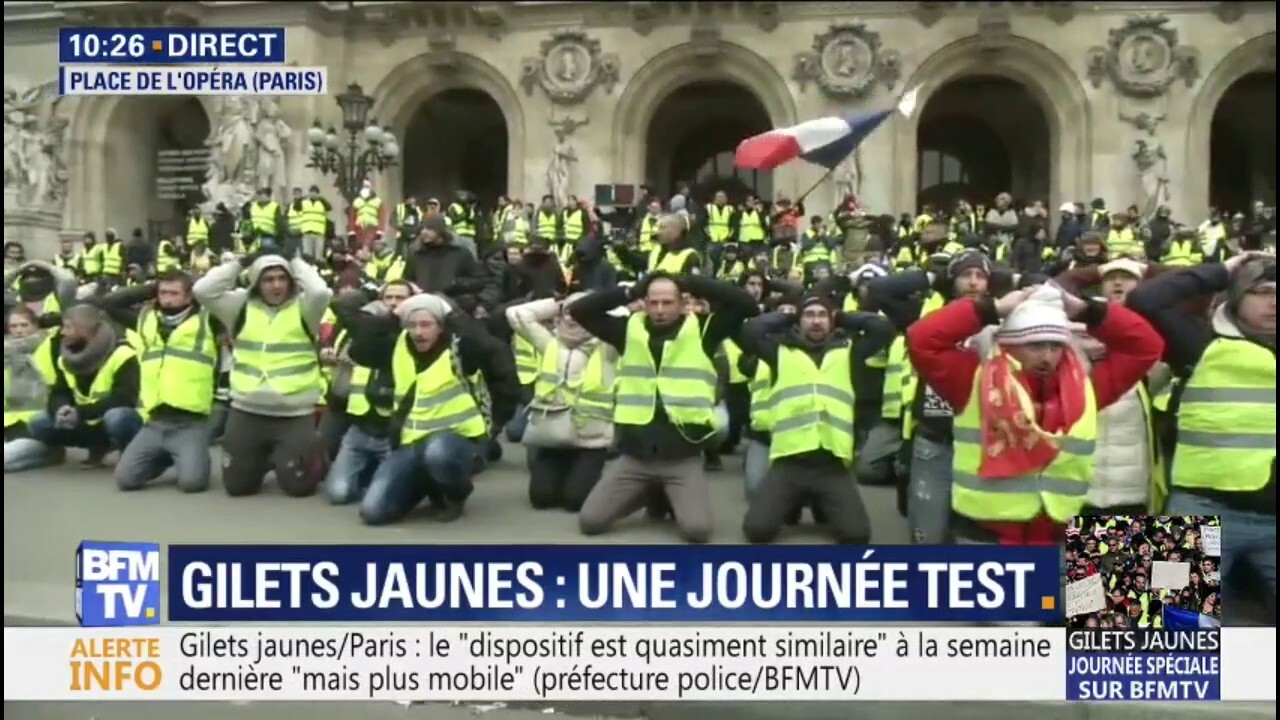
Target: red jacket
[(935, 341)]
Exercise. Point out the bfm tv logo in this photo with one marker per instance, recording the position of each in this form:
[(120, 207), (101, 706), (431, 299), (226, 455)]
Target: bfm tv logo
[(117, 584)]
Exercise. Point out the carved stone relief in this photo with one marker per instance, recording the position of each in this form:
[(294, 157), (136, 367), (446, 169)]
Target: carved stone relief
[(35, 135), (248, 150), (563, 157), (1143, 58), (848, 61), (569, 67)]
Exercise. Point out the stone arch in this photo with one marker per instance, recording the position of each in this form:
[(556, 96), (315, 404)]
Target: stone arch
[(681, 65), (1252, 56), (1043, 73), (95, 126), (416, 80)]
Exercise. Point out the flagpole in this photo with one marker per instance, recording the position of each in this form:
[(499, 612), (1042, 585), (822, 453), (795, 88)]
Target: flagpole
[(821, 180)]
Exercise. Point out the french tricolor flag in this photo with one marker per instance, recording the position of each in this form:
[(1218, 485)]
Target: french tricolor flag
[(825, 141)]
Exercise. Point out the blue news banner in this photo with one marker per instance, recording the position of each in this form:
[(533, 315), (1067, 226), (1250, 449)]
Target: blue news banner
[(170, 46), (574, 583), (1153, 665)]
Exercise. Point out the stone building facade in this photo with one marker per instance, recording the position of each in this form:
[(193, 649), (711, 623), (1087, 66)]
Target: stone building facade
[(1119, 98)]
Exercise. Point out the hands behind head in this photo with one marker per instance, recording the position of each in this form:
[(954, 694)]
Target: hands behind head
[(1234, 263)]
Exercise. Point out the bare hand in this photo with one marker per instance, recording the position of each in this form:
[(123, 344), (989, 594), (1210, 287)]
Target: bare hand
[(327, 356), (1093, 348), (1232, 264), (1007, 303)]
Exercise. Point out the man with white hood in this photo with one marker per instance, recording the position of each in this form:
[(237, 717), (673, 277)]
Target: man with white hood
[(275, 379)]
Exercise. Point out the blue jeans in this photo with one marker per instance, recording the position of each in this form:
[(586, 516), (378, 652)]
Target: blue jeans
[(1247, 537), (359, 456), (439, 468), (27, 454), (515, 427), (115, 432), (755, 466), (929, 492)]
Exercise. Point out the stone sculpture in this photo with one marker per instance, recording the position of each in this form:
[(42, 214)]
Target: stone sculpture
[(563, 158), (248, 150), (35, 169), (569, 66), (848, 62), (1143, 58), (848, 176), (1153, 174)]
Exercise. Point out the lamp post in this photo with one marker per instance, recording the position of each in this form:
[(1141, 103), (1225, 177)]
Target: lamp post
[(367, 147)]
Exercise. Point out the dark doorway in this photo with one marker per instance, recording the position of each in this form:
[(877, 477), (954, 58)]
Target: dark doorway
[(1242, 145), (456, 141)]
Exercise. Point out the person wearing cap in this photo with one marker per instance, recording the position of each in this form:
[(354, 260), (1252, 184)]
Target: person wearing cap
[(921, 415), (92, 399), (1026, 409), (42, 288), (1070, 227), (275, 382), (812, 353), (664, 414), (1223, 450), (454, 383)]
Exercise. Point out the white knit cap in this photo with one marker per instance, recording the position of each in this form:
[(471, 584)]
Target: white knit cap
[(1125, 265), (1042, 317)]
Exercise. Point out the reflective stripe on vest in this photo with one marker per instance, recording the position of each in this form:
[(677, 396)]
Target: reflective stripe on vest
[(812, 405), (313, 218), (1059, 490), (368, 211), (749, 227), (910, 381), (1122, 242), (520, 230), (548, 224), (113, 259), (441, 400), (718, 222), (91, 262), (526, 359), (732, 354), (166, 257), (1181, 254), (573, 226), (263, 218), (358, 404), (178, 371), (103, 380), (274, 350), (590, 395), (761, 402), (1226, 437), (685, 379), (465, 224), (648, 233), (670, 261), (197, 231), (895, 364)]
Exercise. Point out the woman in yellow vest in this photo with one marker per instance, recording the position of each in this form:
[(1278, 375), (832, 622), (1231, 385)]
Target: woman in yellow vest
[(454, 382), (1026, 409), (92, 403), (570, 426), (26, 393)]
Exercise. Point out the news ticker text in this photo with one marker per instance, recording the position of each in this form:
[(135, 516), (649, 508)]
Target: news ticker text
[(568, 663)]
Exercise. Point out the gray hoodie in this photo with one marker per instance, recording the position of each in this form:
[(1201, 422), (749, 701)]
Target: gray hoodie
[(217, 292)]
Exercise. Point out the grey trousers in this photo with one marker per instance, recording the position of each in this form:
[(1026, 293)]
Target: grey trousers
[(257, 444), (161, 444), (624, 489)]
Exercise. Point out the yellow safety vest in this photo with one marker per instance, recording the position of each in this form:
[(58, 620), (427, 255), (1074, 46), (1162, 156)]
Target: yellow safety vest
[(1123, 243), (520, 230), (200, 262), (16, 413), (749, 228), (263, 218), (891, 405), (548, 225), (730, 351), (670, 261), (368, 211), (312, 219), (812, 405), (685, 379), (70, 264), (1226, 438), (179, 371), (91, 263), (648, 233), (816, 253), (590, 396), (441, 400), (1181, 254), (910, 382), (761, 401), (165, 259), (358, 404), (103, 381), (1058, 491), (526, 359), (718, 222), (573, 226), (466, 225), (274, 350), (197, 231), (113, 259), (46, 359)]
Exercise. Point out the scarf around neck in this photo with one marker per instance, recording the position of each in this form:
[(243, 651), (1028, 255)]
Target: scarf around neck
[(90, 358)]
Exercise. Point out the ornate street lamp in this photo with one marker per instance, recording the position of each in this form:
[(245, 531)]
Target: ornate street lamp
[(368, 147)]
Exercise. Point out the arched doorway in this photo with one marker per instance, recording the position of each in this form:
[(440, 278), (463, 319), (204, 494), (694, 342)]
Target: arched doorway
[(456, 140), (980, 136), (156, 162), (693, 134), (1242, 144)]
